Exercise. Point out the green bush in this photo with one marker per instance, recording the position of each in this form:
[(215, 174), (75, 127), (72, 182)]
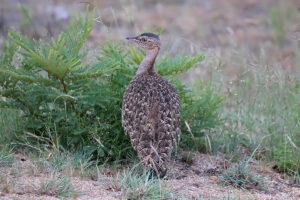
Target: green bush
[(200, 113), (288, 157), (70, 104)]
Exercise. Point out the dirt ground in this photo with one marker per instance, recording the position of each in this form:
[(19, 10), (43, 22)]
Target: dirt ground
[(198, 180)]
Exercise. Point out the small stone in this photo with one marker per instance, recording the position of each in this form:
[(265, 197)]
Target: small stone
[(214, 178), (212, 170), (180, 177)]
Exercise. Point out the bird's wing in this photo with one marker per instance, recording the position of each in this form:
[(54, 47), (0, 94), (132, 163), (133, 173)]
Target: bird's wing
[(136, 111), (169, 115)]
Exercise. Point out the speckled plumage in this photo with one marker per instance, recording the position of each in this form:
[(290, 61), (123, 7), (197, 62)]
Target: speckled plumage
[(151, 116)]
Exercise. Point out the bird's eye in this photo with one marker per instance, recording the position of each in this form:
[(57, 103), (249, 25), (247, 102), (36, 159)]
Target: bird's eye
[(143, 40)]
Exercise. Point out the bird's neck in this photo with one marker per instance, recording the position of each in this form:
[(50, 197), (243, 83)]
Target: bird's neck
[(147, 64)]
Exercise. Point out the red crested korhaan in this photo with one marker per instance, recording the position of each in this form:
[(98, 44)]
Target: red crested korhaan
[(151, 110)]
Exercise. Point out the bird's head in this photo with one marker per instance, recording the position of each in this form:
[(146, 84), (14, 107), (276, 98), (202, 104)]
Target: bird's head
[(147, 41)]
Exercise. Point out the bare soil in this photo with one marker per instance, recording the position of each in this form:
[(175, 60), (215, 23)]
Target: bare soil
[(198, 180)]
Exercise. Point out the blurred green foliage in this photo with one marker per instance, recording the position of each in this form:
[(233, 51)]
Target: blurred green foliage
[(263, 110), (279, 16)]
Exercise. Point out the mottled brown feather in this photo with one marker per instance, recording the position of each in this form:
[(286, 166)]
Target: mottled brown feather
[(151, 117)]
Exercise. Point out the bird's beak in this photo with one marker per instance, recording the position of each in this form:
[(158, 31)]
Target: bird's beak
[(131, 38)]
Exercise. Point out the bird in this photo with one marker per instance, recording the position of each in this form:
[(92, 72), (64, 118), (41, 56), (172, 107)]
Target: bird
[(151, 110)]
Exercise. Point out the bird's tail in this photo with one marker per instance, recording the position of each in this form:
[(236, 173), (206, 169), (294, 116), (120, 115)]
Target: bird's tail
[(155, 155), (155, 143)]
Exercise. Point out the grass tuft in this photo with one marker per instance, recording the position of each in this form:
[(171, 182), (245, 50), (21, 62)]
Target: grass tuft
[(135, 185), (239, 176), (242, 177), (62, 162), (57, 187), (6, 158), (7, 183)]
